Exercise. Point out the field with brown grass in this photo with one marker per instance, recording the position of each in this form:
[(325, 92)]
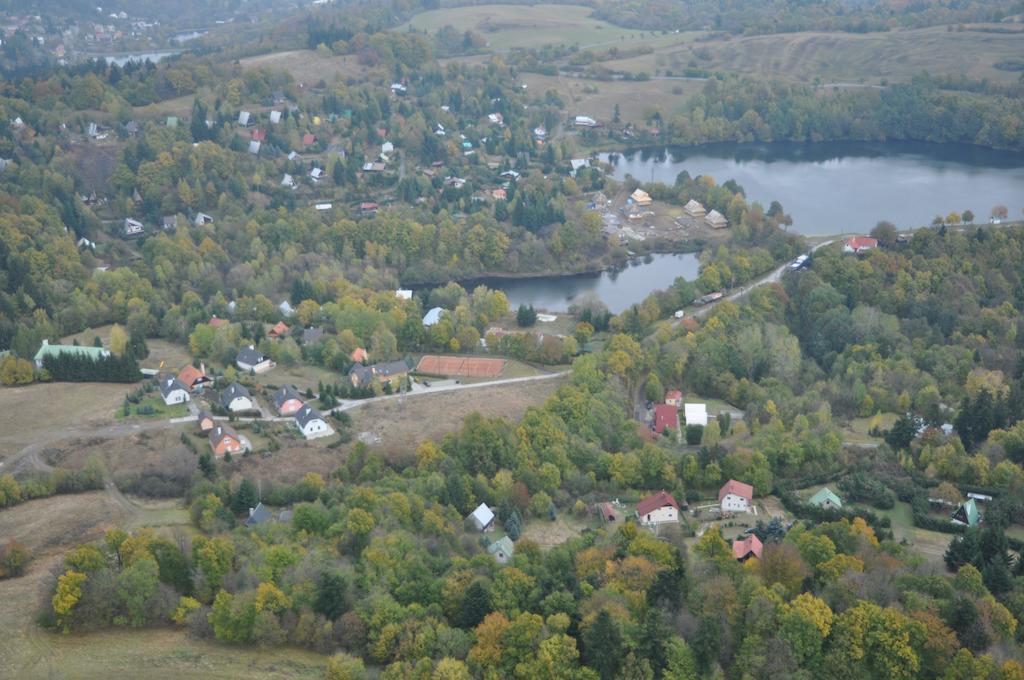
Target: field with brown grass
[(44, 410), (636, 99), (843, 57), (402, 424), (308, 66)]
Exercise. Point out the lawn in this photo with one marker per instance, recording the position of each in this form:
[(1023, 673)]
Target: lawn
[(857, 431), (160, 410), (302, 376), (508, 27), (548, 534)]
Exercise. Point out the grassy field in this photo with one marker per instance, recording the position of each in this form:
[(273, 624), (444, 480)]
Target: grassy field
[(308, 66), (636, 99), (155, 402), (847, 57), (172, 355), (402, 424), (857, 431), (517, 26), (548, 534), (54, 405), (302, 376)]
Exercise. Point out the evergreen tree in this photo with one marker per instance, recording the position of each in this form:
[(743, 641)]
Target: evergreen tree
[(245, 497), (603, 647), (476, 604), (331, 594)]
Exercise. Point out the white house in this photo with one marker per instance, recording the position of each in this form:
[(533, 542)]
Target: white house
[(236, 398), (482, 518), (275, 117), (311, 423), (585, 121), (249, 359), (695, 209), (735, 496), (316, 174), (133, 227), (696, 414), (403, 294), (660, 508), (172, 390), (288, 181), (433, 316)]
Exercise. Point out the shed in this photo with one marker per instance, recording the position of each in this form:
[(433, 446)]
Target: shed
[(825, 498), (482, 518)]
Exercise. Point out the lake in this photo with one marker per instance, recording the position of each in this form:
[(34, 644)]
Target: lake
[(618, 289), (837, 187)]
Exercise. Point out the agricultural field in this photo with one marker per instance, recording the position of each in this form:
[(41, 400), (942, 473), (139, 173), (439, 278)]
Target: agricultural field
[(507, 27), (402, 424), (636, 99), (63, 408), (842, 58), (308, 66)]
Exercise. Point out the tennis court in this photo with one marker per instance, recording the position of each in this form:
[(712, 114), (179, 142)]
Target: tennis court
[(470, 367)]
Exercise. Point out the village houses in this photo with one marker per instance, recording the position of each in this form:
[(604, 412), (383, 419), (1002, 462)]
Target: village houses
[(236, 398), (311, 423), (249, 359), (224, 439), (172, 390), (288, 401)]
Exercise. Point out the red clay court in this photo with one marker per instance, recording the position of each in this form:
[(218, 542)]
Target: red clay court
[(470, 367)]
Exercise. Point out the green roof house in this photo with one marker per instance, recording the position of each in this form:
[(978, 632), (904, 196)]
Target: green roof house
[(967, 514), (58, 350), (826, 499), (502, 549)]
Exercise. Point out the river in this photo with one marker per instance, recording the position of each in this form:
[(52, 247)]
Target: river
[(837, 187), (618, 289)]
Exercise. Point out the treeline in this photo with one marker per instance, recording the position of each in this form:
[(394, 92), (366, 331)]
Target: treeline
[(70, 367), (745, 110), (58, 481)]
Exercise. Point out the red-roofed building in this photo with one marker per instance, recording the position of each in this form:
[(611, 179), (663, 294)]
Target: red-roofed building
[(308, 139), (657, 509), (194, 378), (750, 546), (217, 322), (735, 496), (278, 331), (666, 416), (359, 355), (674, 398), (259, 135), (859, 244), (607, 513)]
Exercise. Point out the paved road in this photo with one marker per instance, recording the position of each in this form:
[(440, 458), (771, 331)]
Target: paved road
[(773, 276)]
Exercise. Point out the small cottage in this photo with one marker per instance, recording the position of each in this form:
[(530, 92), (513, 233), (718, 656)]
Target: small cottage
[(279, 330), (482, 518), (659, 508), (735, 496), (826, 500), (716, 220), (224, 439), (967, 514), (502, 549), (694, 209), (206, 421), (172, 390), (666, 417), (288, 401), (236, 398), (311, 423), (195, 379), (696, 414), (258, 515), (747, 548), (249, 359), (641, 198), (674, 398)]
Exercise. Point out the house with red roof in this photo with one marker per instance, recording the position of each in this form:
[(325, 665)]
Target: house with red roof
[(359, 355), (735, 496), (259, 135), (859, 244), (195, 379), (278, 331), (659, 508), (750, 546), (308, 139), (674, 398), (666, 416), (217, 322)]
